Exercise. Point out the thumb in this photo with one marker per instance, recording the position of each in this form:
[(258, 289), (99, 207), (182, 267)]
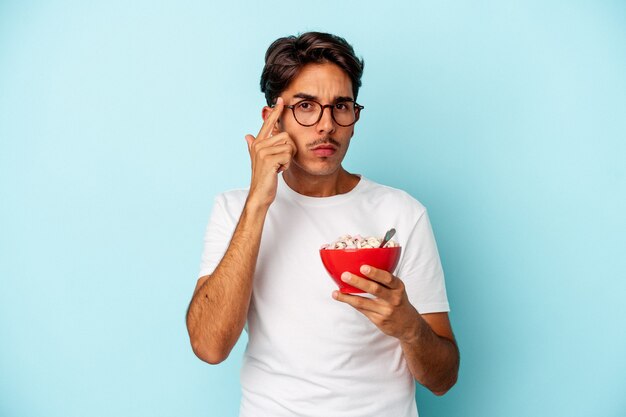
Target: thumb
[(249, 140)]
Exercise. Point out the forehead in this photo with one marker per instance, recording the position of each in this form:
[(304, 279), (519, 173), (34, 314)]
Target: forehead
[(324, 81)]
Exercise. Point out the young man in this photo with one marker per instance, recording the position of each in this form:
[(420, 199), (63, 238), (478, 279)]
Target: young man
[(313, 351)]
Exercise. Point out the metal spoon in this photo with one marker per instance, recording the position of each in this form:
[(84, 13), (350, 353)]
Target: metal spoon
[(388, 236)]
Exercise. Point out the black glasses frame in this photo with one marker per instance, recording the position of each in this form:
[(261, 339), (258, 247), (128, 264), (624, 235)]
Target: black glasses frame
[(357, 111)]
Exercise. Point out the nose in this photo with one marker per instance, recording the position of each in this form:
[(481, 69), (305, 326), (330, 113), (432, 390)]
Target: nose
[(326, 123)]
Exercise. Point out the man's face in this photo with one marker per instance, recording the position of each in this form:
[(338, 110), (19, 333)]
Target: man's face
[(321, 147)]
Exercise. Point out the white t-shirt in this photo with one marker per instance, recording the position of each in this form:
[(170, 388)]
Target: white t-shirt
[(308, 354)]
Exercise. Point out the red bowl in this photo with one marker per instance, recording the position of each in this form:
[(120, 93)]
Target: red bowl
[(338, 261)]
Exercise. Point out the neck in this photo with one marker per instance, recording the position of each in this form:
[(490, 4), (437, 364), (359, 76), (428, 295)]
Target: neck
[(339, 182)]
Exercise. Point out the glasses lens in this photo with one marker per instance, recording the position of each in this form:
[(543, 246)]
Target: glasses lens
[(344, 113), (307, 112)]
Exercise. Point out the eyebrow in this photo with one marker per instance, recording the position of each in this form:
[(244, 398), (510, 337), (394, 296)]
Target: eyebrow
[(306, 96)]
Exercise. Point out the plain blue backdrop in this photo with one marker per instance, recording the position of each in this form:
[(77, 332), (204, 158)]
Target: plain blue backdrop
[(120, 121)]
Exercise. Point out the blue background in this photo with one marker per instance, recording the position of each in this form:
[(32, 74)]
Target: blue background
[(120, 122)]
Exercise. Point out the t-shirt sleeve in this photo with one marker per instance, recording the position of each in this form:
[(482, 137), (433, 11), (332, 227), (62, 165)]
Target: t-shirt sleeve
[(218, 234), (421, 269)]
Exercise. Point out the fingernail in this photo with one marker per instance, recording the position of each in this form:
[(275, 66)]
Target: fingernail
[(345, 276), (365, 269), (335, 295)]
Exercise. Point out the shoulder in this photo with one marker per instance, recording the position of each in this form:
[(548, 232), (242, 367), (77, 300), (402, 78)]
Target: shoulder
[(396, 196), (232, 201)]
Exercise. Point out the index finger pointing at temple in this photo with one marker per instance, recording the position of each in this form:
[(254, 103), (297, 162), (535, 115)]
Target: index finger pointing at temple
[(269, 123)]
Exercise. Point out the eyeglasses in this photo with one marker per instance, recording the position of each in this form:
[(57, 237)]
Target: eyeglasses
[(309, 112)]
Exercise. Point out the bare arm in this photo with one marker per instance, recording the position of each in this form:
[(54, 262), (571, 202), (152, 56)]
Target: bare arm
[(431, 352), (219, 307)]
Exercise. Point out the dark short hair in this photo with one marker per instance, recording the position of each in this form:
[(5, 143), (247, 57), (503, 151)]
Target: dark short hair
[(287, 56)]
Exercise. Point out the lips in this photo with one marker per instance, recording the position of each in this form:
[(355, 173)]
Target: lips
[(324, 150)]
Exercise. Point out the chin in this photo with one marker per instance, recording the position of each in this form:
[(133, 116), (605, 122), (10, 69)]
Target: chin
[(317, 169)]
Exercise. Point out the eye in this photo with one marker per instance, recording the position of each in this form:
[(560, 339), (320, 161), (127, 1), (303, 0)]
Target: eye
[(343, 107), (305, 106)]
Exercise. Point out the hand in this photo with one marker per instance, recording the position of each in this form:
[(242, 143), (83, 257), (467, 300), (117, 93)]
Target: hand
[(270, 153), (391, 310)]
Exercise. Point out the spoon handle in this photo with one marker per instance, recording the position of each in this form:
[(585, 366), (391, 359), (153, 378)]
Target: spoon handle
[(387, 237)]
